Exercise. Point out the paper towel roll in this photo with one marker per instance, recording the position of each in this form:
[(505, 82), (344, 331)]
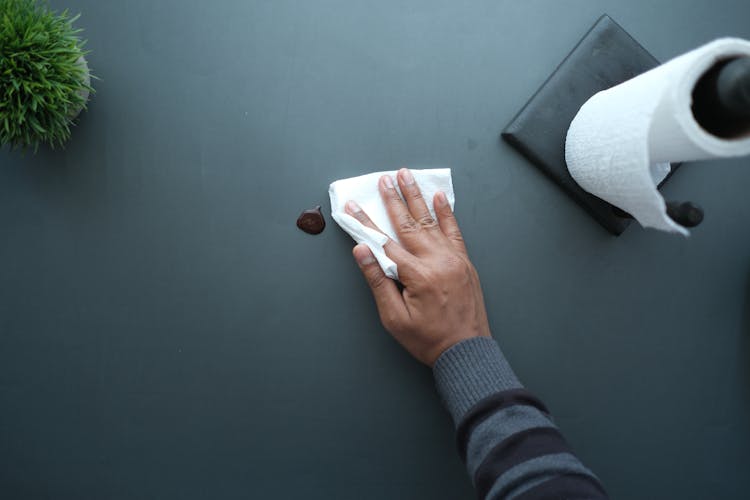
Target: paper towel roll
[(621, 142)]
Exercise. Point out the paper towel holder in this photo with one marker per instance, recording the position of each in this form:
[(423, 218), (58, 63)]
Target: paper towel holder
[(684, 213), (721, 99), (606, 56)]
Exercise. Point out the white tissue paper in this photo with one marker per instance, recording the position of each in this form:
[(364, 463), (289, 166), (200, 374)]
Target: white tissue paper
[(364, 191), (622, 141)]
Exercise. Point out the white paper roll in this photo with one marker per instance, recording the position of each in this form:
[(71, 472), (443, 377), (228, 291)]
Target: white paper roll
[(621, 142)]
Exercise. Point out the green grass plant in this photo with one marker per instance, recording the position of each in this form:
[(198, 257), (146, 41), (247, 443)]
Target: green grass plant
[(43, 81)]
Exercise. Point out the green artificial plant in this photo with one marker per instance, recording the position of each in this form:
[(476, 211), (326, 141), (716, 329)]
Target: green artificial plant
[(44, 79)]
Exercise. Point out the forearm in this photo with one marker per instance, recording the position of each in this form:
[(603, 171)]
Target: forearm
[(510, 445), (505, 435)]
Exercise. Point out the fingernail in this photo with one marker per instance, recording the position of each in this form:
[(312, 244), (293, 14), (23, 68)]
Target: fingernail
[(363, 255), (388, 182), (442, 200), (353, 207), (407, 176)]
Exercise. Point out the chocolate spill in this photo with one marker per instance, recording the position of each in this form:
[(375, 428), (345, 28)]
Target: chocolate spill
[(312, 221)]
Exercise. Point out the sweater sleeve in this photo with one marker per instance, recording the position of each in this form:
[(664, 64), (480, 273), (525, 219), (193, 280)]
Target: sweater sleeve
[(505, 435)]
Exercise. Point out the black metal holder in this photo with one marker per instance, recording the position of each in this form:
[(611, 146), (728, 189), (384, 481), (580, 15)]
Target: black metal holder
[(721, 99), (606, 56)]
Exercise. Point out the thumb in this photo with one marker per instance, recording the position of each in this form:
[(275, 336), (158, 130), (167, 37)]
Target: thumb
[(388, 299)]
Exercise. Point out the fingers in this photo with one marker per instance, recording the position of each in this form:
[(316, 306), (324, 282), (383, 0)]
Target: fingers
[(408, 230), (388, 299), (415, 201), (352, 208), (402, 258), (448, 222)]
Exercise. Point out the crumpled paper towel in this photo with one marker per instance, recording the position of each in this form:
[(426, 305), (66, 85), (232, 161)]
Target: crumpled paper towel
[(364, 191), (623, 139)]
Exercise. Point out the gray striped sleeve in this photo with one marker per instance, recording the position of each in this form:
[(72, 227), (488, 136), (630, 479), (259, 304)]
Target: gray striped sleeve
[(498, 427), (511, 446), (469, 372), (534, 472)]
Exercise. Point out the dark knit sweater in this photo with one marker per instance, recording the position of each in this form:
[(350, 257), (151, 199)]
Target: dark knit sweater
[(505, 435)]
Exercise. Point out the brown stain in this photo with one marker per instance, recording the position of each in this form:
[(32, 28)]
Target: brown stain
[(312, 221)]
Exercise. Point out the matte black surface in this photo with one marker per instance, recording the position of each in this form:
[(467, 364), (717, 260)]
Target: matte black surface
[(149, 345), (606, 56)]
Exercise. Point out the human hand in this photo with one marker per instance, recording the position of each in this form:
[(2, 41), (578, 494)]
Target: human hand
[(441, 303)]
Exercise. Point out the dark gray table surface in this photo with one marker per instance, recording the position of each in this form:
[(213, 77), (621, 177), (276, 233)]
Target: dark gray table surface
[(167, 332)]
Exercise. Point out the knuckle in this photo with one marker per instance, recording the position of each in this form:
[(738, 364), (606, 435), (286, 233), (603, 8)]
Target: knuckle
[(407, 224), (414, 193), (446, 268), (376, 279), (447, 215), (453, 261), (428, 276), (427, 221), (461, 267), (394, 197)]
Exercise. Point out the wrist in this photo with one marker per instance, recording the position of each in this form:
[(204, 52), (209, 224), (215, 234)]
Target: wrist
[(447, 343)]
